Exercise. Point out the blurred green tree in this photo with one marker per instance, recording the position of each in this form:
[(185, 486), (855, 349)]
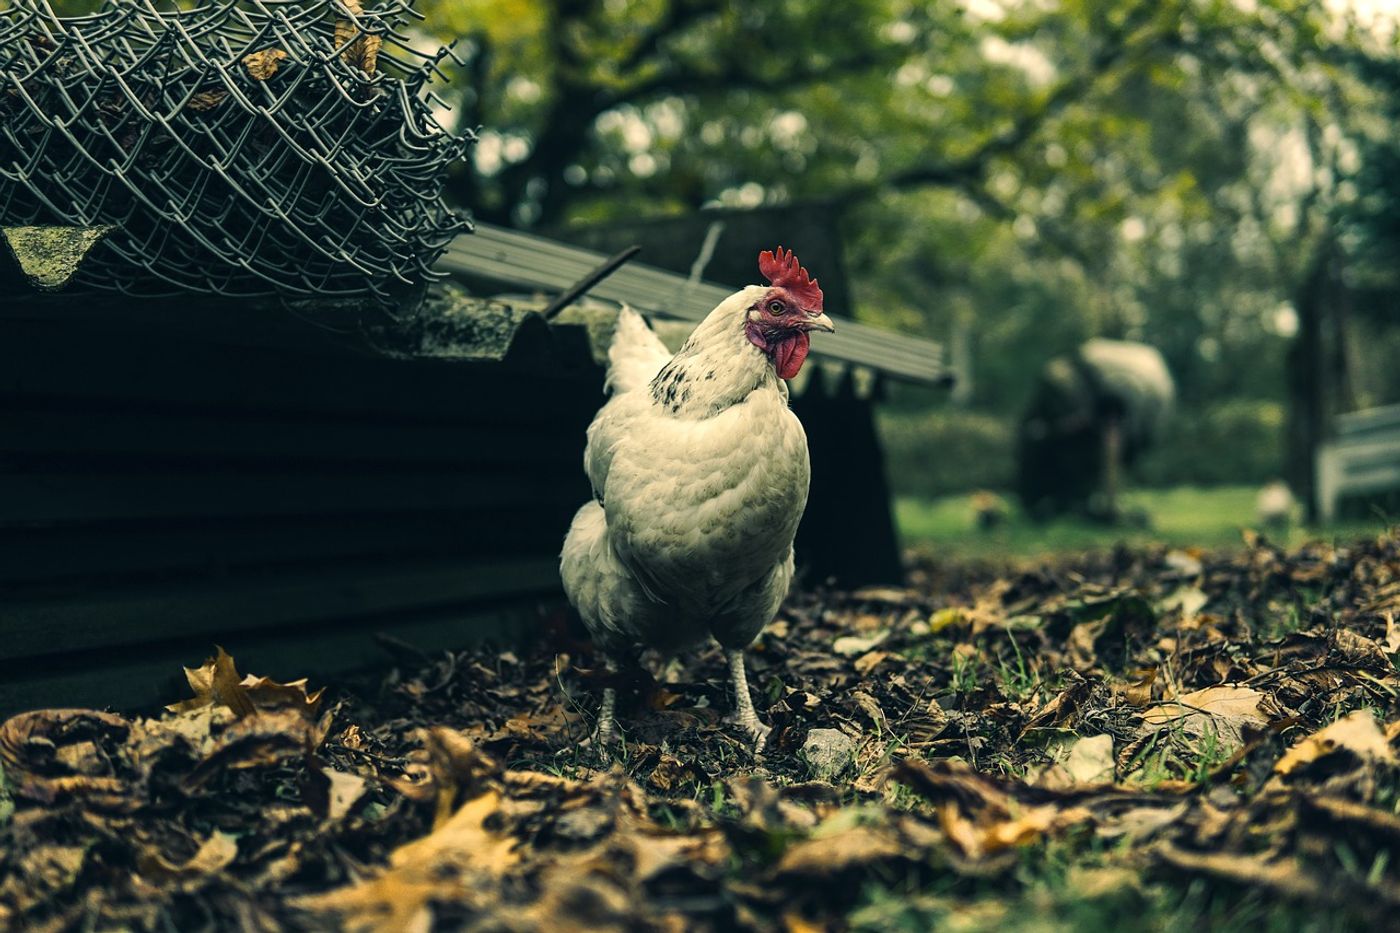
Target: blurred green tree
[(1016, 176), (1105, 133)]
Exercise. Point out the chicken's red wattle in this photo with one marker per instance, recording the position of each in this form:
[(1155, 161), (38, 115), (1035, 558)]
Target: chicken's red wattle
[(790, 352)]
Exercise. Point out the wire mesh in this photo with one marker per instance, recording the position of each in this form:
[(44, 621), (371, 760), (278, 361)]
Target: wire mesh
[(239, 148)]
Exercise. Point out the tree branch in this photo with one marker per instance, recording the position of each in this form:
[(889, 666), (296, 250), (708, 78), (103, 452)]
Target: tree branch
[(569, 119), (1063, 243), (972, 167), (679, 16), (676, 81)]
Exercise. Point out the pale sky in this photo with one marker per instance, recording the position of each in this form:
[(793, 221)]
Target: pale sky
[(1380, 15), (1367, 8)]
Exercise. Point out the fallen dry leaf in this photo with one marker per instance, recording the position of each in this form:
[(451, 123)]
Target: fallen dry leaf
[(1137, 692), (50, 756), (1090, 761), (651, 855), (1062, 707), (342, 792), (1356, 733), (207, 100), (361, 48), (216, 682), (869, 661), (839, 852), (796, 923), (263, 64), (853, 645), (267, 694), (214, 855), (1286, 877), (455, 769), (464, 839), (1392, 634), (262, 740), (981, 838), (977, 813), (1188, 600), (438, 865), (1139, 822), (1222, 710)]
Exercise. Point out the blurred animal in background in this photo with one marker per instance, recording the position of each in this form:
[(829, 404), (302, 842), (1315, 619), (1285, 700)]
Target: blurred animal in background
[(1276, 507), (1092, 414), (700, 475), (989, 510)]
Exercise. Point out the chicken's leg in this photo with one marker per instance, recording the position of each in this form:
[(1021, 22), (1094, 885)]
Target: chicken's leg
[(607, 720), (606, 727), (744, 712)]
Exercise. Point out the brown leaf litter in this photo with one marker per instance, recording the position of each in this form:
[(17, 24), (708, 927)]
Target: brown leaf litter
[(1229, 721)]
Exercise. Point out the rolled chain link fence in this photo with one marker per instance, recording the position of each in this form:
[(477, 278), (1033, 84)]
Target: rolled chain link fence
[(236, 148)]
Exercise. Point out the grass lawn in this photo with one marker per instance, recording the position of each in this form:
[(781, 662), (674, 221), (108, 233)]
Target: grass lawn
[(1181, 517)]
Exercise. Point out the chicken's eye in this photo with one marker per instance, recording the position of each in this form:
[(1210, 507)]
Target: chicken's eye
[(776, 307)]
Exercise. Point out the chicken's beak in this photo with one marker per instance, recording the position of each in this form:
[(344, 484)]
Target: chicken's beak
[(820, 322)]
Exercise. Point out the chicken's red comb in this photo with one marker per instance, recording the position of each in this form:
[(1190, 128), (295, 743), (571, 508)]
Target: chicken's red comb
[(783, 270)]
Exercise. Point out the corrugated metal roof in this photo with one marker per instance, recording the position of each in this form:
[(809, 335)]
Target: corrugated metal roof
[(525, 260), (452, 324)]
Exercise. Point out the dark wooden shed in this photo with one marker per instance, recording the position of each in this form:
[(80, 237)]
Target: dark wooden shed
[(290, 479)]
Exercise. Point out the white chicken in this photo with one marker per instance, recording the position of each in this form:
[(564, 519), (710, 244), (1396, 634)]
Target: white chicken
[(700, 475)]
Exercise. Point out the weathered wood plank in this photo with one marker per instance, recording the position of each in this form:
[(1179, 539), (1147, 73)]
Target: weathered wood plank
[(153, 613), (1358, 464), (1382, 420), (147, 676), (192, 435), (46, 498), (33, 558), (41, 364)]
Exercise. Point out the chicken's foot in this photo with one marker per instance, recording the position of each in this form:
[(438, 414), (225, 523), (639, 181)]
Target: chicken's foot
[(744, 713)]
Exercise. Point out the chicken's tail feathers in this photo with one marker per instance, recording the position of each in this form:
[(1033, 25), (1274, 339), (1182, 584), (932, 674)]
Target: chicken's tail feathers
[(636, 354)]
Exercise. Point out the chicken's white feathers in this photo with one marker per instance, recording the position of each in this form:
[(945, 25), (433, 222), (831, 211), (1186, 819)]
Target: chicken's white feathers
[(636, 354), (700, 474)]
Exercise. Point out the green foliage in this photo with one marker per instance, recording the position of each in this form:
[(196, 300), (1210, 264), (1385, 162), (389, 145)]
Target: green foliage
[(1235, 441), (1024, 174), (941, 451), (1184, 516), (945, 450)]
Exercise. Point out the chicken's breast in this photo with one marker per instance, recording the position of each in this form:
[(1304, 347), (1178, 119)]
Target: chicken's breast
[(702, 510)]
